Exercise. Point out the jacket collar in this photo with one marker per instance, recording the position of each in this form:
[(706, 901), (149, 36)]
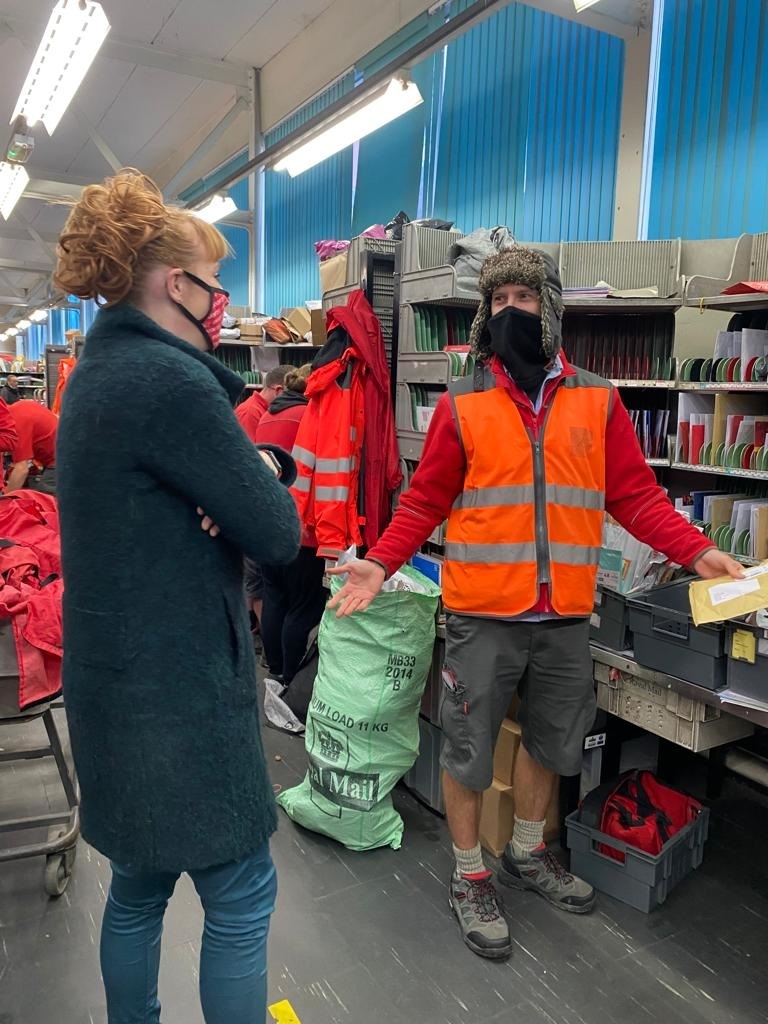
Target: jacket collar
[(126, 318)]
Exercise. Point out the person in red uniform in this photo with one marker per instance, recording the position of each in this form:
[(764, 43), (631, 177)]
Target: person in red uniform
[(522, 459), (250, 412), (34, 454), (9, 435), (294, 598)]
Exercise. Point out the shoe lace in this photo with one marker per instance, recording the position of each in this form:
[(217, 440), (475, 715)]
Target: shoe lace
[(553, 864), (484, 901)]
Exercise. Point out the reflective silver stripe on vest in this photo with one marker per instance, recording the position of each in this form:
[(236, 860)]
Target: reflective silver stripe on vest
[(574, 554), (302, 483), (504, 554), (306, 458), (333, 466), (579, 497), (332, 493), (487, 497)]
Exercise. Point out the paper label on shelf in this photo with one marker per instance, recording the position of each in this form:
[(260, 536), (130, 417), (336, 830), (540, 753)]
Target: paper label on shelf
[(744, 646), (424, 414), (728, 591), (595, 620)]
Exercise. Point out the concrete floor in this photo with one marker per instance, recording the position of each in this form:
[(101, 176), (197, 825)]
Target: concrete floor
[(369, 939)]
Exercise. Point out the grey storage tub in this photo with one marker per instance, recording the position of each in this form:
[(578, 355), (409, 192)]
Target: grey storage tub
[(609, 624), (641, 880), (665, 638), (743, 677)]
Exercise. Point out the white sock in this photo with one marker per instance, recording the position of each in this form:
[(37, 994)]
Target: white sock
[(527, 837), (469, 862)]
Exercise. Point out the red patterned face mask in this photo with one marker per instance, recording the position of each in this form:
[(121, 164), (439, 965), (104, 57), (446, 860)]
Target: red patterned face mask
[(210, 324)]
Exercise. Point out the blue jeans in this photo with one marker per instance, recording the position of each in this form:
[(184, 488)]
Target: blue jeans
[(238, 900)]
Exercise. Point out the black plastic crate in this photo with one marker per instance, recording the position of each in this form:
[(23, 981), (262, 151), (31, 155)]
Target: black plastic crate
[(642, 880), (609, 624), (743, 677), (664, 637)]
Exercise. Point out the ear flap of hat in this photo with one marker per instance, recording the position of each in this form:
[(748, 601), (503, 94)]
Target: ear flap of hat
[(551, 321), (479, 323)]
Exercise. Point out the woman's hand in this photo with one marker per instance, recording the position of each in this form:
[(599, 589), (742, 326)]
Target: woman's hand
[(208, 524)]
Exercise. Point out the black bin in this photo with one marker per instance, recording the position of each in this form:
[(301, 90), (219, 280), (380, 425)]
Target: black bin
[(609, 624)]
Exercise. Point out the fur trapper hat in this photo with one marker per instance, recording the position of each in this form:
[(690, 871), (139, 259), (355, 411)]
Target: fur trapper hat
[(531, 267)]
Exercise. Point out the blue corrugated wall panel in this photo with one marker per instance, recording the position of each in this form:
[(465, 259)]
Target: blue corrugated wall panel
[(301, 211), (234, 271), (529, 129), (708, 160)]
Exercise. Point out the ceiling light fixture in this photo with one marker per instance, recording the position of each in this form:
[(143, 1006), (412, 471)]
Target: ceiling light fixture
[(13, 180), (582, 5), (72, 38), (11, 332), (24, 325), (39, 316), (216, 208), (385, 105)]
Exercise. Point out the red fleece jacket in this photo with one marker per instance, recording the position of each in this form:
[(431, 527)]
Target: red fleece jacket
[(633, 497)]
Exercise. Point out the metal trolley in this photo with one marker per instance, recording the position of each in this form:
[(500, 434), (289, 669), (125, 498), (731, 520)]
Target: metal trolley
[(60, 847)]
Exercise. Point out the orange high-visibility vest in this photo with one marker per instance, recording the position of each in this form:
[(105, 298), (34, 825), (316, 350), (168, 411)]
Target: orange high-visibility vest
[(531, 512)]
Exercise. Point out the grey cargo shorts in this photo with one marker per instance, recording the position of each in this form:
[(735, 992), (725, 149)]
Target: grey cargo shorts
[(488, 661)]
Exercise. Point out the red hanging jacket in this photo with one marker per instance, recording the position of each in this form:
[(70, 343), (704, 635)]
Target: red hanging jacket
[(347, 431)]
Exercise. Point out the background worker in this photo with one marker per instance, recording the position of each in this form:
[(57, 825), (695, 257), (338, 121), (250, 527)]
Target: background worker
[(522, 459), (33, 456), (250, 411)]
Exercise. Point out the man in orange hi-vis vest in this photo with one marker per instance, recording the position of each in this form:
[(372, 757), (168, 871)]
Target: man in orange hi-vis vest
[(523, 459)]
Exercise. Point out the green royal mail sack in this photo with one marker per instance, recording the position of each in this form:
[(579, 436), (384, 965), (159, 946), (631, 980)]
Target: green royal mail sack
[(363, 722)]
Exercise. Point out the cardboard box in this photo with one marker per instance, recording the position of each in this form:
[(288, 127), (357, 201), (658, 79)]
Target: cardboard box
[(333, 273), (319, 336), (497, 818), (505, 751), (299, 320), (251, 331)]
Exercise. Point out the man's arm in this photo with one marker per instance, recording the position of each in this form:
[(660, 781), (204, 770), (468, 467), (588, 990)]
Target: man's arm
[(641, 506), (8, 433), (426, 504), (17, 477), (428, 501)]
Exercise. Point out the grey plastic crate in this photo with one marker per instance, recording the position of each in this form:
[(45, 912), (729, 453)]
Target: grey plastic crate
[(609, 624), (424, 778), (749, 680), (664, 637), (641, 880)]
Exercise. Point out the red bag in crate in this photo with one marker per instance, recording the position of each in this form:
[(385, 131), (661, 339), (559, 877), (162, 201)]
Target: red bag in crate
[(637, 810)]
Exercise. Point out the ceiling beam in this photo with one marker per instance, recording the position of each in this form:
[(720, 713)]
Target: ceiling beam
[(13, 300), (114, 161), (210, 142), (149, 56), (51, 191), (25, 266)]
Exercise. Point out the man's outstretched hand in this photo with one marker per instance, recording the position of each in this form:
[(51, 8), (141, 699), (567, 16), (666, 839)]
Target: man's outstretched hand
[(714, 563), (364, 583)]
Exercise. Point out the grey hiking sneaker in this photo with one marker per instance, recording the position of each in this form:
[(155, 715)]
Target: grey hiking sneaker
[(477, 907), (544, 874)]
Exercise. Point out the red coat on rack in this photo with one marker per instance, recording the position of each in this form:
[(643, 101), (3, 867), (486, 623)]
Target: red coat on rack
[(348, 434)]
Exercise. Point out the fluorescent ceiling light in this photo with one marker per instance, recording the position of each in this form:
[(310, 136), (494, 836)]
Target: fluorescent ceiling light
[(73, 37), (11, 332), (582, 5), (13, 180), (39, 316), (216, 208), (368, 116), (24, 325), (3, 337)]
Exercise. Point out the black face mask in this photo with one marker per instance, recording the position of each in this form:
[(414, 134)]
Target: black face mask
[(516, 338)]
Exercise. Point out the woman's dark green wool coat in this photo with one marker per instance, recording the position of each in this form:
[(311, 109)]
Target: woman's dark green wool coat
[(159, 672)]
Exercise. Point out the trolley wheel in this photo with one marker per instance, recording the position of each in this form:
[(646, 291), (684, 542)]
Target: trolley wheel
[(58, 867)]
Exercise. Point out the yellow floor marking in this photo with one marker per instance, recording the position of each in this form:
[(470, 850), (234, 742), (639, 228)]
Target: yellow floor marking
[(284, 1013)]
